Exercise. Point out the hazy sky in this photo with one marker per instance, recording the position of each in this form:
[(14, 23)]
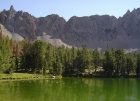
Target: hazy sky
[(69, 8)]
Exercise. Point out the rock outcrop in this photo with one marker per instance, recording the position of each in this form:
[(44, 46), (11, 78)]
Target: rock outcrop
[(14, 36), (94, 31)]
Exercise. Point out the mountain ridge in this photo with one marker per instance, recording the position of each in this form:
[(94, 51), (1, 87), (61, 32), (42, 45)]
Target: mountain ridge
[(94, 31)]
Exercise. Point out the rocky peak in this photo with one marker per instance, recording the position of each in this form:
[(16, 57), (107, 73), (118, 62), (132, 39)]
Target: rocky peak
[(94, 31), (12, 8), (11, 12), (131, 23), (128, 12)]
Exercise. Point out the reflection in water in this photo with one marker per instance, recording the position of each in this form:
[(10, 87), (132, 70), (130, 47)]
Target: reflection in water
[(71, 89)]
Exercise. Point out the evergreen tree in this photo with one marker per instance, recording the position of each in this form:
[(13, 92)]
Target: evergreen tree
[(138, 65), (68, 61), (38, 50), (6, 58), (129, 64), (109, 61), (58, 65), (26, 59), (97, 58), (73, 57), (84, 59), (120, 61), (33, 56), (49, 57), (61, 55)]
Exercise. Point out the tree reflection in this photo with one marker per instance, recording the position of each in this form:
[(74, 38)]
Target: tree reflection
[(71, 89)]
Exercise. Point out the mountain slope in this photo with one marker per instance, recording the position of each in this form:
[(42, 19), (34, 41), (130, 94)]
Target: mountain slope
[(94, 31)]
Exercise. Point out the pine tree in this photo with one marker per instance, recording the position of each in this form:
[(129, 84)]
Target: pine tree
[(49, 57), (109, 61), (129, 64), (138, 65), (57, 70), (26, 59), (97, 58), (120, 61), (68, 61), (84, 59), (33, 56), (5, 55), (73, 57)]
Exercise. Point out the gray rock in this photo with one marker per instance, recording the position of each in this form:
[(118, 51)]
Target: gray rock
[(94, 31)]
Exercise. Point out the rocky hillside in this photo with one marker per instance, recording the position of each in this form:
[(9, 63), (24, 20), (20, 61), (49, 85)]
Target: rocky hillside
[(94, 31)]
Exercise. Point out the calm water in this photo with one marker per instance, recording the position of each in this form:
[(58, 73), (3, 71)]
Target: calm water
[(71, 89)]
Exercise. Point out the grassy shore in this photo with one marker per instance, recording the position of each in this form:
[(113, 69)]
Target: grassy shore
[(25, 76)]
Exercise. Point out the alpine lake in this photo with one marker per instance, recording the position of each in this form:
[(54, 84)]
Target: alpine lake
[(71, 89)]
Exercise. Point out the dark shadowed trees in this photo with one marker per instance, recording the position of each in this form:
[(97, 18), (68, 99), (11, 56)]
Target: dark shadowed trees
[(109, 61), (138, 65)]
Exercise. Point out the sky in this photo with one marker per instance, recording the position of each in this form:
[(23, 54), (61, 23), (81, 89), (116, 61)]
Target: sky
[(69, 8)]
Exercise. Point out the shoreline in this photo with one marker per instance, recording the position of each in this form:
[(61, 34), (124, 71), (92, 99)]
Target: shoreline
[(25, 76), (100, 76)]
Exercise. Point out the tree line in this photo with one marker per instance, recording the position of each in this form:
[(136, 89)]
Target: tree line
[(39, 57)]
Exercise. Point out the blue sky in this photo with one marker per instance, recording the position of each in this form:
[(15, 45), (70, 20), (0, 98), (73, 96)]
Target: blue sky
[(69, 8)]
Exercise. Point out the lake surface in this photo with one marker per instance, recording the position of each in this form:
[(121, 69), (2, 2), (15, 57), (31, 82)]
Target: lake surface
[(71, 89)]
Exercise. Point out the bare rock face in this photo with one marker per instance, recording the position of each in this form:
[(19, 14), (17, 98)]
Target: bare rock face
[(5, 32), (27, 25), (94, 31), (130, 22), (100, 31), (54, 41), (18, 22), (102, 28), (52, 24)]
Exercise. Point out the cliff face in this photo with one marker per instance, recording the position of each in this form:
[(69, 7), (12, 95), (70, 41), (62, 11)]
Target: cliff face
[(51, 24), (27, 25), (130, 22), (94, 31), (19, 22), (101, 28)]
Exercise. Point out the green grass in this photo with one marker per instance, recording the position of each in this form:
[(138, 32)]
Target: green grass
[(20, 76)]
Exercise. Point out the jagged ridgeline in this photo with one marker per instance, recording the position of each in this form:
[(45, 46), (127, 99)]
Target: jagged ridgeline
[(93, 31)]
